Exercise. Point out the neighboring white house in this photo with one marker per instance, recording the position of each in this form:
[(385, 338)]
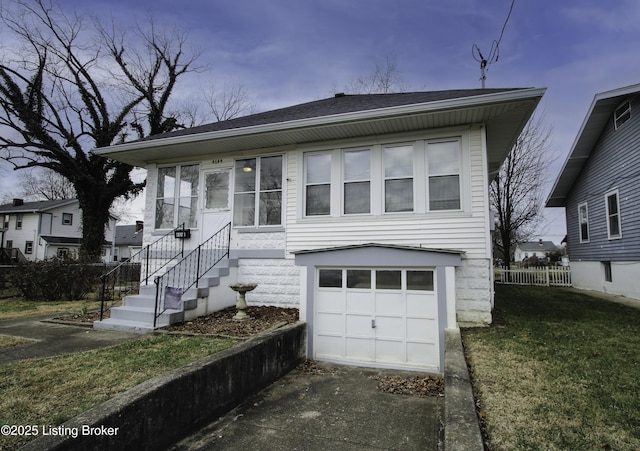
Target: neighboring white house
[(370, 213), (127, 241), (599, 187), (45, 229), (534, 249)]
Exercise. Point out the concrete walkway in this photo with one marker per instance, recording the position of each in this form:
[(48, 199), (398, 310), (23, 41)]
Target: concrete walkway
[(50, 339)]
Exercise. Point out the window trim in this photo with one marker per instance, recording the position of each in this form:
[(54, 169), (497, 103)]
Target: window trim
[(176, 196), (344, 182), (459, 174), (580, 234), (19, 220), (608, 274), (419, 142), (622, 114), (257, 191), (68, 216), (615, 215), (386, 179), (28, 247)]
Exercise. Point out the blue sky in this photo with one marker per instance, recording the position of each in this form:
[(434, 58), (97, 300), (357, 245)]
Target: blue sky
[(292, 51)]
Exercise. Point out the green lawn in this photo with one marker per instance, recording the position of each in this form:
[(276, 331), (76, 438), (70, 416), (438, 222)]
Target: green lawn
[(558, 370), (51, 391)]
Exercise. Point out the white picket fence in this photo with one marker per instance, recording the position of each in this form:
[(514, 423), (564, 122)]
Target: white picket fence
[(548, 276)]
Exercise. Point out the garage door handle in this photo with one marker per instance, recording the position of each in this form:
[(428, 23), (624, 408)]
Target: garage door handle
[(373, 323)]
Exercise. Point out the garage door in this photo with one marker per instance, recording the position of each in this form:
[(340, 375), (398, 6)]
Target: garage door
[(378, 317)]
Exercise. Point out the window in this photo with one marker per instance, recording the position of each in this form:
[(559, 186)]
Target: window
[(443, 162), (9, 244), (67, 219), (5, 222), (63, 252), (317, 184), (398, 179), (19, 221), (388, 280), (608, 277), (613, 215), (216, 195), (622, 114), (420, 280), (177, 187), (583, 222), (28, 247), (330, 278), (258, 192), (358, 278), (357, 183)]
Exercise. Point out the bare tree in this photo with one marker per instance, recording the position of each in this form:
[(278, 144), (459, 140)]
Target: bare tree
[(229, 102), (67, 88), (516, 195), (384, 78), (45, 184)]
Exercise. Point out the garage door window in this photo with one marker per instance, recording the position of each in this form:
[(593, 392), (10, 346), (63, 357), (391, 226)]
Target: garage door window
[(330, 278), (388, 280), (358, 278), (420, 280)]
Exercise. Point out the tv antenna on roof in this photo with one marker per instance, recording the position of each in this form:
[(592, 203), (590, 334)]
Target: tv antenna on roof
[(494, 54)]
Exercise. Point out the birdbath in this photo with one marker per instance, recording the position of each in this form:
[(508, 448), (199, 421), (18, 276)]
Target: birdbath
[(241, 289)]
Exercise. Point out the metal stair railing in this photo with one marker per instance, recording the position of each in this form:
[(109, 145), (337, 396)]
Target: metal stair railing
[(187, 273), (126, 277)]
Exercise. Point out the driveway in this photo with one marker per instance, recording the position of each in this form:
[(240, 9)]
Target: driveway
[(335, 407)]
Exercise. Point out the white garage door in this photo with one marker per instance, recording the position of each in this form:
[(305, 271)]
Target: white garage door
[(377, 317)]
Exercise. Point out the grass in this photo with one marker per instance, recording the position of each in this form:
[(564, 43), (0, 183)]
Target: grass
[(48, 392), (557, 370), (13, 306)]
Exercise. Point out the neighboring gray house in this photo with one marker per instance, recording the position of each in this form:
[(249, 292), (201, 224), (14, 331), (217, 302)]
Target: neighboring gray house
[(538, 249), (369, 213), (600, 186), (44, 229), (127, 241)]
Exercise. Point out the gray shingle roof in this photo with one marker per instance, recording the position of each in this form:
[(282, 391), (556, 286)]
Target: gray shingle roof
[(338, 104), (34, 207)]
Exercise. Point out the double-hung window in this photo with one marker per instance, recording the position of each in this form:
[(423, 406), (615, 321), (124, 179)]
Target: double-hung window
[(443, 162), (317, 184), (258, 192), (177, 196), (357, 181), (19, 218), (583, 222), (398, 178), (614, 230), (67, 218)]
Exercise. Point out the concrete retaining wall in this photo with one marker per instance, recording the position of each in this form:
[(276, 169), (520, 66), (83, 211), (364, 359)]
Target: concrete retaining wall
[(164, 409)]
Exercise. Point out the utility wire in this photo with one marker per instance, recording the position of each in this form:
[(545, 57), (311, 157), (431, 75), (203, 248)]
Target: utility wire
[(494, 54)]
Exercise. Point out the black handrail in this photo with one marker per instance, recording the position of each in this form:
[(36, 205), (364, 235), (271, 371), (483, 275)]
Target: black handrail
[(188, 271), (126, 277)]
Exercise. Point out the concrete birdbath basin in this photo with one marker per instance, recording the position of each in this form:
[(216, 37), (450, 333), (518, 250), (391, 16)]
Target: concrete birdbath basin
[(241, 305)]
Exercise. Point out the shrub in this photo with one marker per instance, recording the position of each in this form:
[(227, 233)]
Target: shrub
[(55, 279)]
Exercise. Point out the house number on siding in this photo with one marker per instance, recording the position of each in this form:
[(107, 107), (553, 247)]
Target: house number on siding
[(221, 162)]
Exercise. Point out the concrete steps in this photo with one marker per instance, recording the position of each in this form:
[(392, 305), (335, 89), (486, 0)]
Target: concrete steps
[(137, 313)]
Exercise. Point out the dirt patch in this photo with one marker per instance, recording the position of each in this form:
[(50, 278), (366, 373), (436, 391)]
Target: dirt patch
[(222, 323), (416, 386)]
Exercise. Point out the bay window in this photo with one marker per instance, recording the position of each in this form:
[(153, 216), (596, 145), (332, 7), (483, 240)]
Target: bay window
[(177, 196), (258, 192)]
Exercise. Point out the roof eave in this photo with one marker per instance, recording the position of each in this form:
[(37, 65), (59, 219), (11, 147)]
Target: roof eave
[(125, 152), (601, 108)]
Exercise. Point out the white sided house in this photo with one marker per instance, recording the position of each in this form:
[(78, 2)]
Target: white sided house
[(369, 213), (40, 230)]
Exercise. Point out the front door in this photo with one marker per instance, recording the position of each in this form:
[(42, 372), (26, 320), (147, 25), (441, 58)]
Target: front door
[(216, 211)]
